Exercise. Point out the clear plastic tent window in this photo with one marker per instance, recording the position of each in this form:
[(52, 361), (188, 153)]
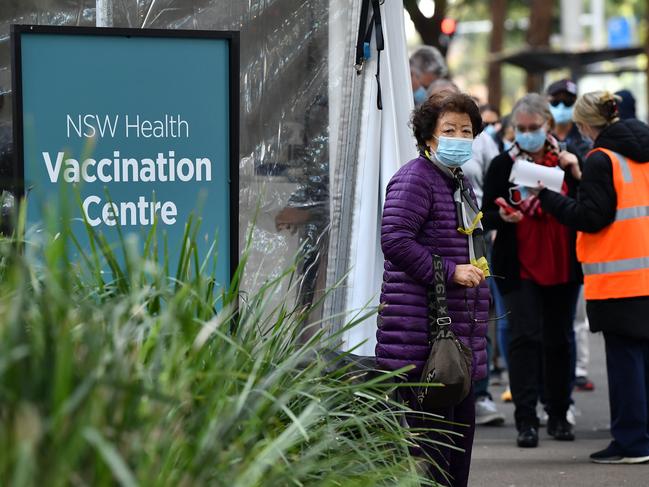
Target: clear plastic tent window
[(285, 111)]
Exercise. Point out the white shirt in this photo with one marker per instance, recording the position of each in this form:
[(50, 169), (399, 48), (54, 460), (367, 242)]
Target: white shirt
[(484, 151)]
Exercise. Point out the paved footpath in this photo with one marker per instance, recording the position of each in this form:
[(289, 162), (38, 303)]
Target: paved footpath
[(497, 461)]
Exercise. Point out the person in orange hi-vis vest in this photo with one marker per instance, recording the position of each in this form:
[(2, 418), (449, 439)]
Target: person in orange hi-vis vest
[(611, 214)]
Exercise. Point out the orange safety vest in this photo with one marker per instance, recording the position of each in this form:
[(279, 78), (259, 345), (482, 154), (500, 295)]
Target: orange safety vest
[(615, 260)]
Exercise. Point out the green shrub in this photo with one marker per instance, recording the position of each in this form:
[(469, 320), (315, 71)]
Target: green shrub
[(136, 378)]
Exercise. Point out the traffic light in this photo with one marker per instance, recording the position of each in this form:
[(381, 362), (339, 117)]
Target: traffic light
[(447, 29)]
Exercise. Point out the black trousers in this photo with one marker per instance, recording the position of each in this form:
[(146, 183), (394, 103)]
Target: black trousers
[(455, 463), (627, 364), (539, 348)]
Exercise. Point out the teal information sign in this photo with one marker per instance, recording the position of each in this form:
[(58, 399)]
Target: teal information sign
[(143, 122)]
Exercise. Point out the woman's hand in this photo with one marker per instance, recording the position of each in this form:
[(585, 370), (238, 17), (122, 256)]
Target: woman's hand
[(569, 161), (510, 218), (291, 218), (468, 275)]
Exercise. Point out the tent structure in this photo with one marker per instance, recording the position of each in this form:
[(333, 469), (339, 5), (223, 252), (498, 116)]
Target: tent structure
[(600, 62), (539, 61), (316, 151)]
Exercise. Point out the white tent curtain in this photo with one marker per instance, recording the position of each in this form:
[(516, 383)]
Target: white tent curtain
[(386, 143)]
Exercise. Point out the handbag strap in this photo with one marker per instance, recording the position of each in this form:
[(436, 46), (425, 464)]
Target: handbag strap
[(438, 317)]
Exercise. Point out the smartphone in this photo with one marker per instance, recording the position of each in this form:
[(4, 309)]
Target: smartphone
[(505, 206)]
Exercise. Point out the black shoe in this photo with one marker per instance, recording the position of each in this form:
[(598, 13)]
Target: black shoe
[(612, 455), (560, 429), (528, 437)]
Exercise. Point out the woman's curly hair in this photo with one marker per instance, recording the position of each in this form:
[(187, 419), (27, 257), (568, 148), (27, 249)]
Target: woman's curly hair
[(424, 119)]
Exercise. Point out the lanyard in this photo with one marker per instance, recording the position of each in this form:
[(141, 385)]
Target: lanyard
[(364, 40)]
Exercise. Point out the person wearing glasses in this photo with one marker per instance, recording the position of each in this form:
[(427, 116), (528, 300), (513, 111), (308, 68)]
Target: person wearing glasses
[(429, 210), (562, 96), (535, 257)]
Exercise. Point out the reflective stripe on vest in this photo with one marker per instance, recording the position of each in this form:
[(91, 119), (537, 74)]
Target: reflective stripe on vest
[(631, 213), (616, 266), (615, 260), (624, 166)]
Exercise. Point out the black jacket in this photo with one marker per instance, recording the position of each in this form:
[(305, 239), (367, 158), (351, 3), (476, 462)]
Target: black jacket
[(594, 209), (504, 258), (580, 146)]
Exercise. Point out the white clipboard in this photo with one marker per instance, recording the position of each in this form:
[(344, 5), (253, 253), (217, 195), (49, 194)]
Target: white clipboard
[(528, 174)]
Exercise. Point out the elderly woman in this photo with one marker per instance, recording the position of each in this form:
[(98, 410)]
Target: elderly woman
[(430, 210), (536, 256), (612, 216)]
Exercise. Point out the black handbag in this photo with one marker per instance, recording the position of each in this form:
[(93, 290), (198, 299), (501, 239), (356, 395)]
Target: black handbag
[(447, 372)]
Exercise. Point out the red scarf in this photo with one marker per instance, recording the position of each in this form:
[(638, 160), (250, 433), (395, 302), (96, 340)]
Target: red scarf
[(543, 243)]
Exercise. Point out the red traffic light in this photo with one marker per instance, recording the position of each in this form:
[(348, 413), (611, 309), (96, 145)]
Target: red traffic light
[(448, 26)]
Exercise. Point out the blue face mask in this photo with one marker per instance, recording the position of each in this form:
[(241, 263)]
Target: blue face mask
[(585, 138), (531, 141), (561, 113), (419, 95), (490, 130), (507, 145), (517, 194), (454, 151)]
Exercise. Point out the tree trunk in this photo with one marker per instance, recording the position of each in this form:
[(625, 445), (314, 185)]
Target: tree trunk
[(538, 35), (429, 29), (496, 43)]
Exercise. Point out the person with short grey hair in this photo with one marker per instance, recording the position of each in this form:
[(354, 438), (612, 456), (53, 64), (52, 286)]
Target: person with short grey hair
[(535, 254), (534, 104), (426, 65), (441, 84)]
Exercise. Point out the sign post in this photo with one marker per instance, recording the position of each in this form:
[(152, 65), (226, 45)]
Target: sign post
[(143, 123)]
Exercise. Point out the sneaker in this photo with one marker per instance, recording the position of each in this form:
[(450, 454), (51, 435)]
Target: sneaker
[(611, 454), (528, 437), (542, 415), (486, 412), (560, 429), (571, 415), (507, 395), (583, 383)]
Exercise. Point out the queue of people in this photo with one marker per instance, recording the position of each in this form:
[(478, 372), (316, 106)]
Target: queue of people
[(533, 247)]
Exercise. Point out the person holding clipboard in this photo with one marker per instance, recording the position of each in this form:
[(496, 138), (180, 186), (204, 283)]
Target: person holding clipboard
[(611, 213), (534, 255)]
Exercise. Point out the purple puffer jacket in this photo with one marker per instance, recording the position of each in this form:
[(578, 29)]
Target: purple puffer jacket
[(419, 219)]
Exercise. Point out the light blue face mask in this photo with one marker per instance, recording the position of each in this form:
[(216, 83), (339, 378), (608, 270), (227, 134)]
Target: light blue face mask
[(419, 95), (585, 138), (454, 151), (518, 194), (507, 145), (561, 113), (531, 141), (490, 130)]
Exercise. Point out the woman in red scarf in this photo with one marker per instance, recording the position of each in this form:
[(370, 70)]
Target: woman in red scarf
[(536, 256)]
